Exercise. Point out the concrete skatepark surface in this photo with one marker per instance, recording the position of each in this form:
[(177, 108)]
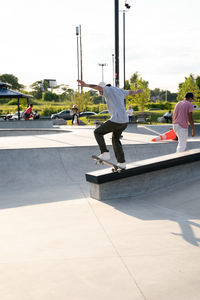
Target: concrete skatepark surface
[(58, 243)]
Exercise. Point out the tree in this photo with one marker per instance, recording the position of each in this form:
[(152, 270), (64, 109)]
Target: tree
[(36, 90), (190, 85), (160, 95), (49, 96), (136, 82), (198, 81), (82, 100), (12, 80), (127, 85), (64, 92)]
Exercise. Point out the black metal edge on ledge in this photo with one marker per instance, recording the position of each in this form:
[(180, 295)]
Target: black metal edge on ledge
[(146, 168)]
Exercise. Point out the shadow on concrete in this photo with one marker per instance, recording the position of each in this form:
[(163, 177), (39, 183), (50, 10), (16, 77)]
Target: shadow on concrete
[(179, 203), (31, 195)]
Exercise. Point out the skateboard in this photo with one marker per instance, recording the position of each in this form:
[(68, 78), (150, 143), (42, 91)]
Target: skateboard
[(114, 167)]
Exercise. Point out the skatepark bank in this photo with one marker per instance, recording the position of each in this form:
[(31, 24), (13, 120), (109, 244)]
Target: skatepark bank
[(58, 243)]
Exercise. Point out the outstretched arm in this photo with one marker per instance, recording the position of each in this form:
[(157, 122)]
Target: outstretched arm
[(132, 93), (92, 86)]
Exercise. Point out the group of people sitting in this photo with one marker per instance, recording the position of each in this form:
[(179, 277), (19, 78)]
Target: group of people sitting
[(27, 114)]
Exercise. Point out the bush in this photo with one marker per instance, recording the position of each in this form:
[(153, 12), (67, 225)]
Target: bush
[(22, 101), (161, 105), (49, 96), (13, 102), (3, 101), (47, 111), (96, 108)]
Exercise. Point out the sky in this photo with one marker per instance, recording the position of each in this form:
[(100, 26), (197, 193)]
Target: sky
[(38, 40)]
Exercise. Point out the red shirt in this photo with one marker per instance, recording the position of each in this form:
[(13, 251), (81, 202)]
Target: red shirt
[(28, 110), (181, 112)]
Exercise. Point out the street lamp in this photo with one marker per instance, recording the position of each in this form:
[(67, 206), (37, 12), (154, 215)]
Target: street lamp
[(102, 65), (81, 60), (124, 40), (117, 43), (79, 55), (77, 35), (113, 65)]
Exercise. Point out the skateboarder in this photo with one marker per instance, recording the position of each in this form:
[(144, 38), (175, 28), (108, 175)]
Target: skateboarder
[(183, 113), (116, 124)]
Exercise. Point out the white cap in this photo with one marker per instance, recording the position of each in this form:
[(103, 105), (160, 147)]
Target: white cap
[(102, 84)]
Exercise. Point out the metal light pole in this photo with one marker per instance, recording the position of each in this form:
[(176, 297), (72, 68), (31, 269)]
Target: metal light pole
[(117, 43), (113, 65), (124, 41), (81, 61), (166, 95), (124, 48), (77, 35), (102, 65)]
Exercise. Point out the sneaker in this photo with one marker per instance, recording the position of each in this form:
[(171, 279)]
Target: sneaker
[(104, 156), (122, 165)]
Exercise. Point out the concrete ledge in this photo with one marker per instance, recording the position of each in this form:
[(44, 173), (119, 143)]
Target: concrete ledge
[(144, 176), (29, 131), (27, 124)]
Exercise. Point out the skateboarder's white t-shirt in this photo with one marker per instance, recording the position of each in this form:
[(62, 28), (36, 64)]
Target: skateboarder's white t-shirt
[(115, 102)]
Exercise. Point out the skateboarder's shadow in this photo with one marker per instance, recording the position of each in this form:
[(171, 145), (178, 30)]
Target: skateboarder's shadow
[(178, 204)]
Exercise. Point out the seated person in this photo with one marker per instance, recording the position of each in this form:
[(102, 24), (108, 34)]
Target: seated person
[(168, 116), (8, 116), (28, 112), (36, 115)]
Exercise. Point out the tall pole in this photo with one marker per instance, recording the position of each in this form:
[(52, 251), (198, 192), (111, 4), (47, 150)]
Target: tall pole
[(81, 61), (77, 34), (166, 95), (102, 65), (113, 65), (124, 48), (117, 43), (124, 40)]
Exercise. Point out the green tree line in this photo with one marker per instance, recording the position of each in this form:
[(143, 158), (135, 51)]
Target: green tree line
[(62, 93)]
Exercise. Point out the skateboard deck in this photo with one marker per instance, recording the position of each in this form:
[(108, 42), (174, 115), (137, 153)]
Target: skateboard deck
[(114, 167)]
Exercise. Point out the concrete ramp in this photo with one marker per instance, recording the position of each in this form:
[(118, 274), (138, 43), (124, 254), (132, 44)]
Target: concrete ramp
[(56, 242), (41, 168), (42, 175)]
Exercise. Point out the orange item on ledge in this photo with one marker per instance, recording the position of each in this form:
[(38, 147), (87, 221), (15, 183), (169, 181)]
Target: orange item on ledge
[(169, 135)]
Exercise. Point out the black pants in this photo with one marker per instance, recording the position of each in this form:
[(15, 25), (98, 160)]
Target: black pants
[(168, 118), (116, 129), (73, 117)]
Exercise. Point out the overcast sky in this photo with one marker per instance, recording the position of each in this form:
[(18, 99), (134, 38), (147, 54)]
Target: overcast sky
[(38, 40)]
